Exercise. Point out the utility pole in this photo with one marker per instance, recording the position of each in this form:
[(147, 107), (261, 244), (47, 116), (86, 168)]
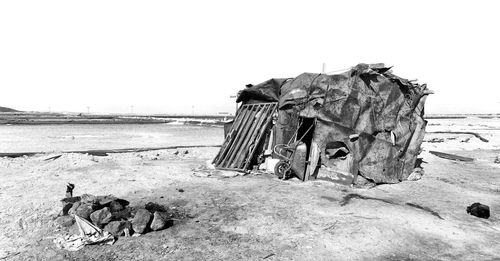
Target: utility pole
[(234, 97), (88, 109), (324, 68), (132, 109)]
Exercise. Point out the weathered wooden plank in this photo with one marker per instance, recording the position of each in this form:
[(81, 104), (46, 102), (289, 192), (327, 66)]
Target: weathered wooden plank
[(267, 118), (227, 142), (234, 134), (242, 135), (451, 156)]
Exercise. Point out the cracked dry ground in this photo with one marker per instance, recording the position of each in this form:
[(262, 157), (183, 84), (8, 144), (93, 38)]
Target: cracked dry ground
[(254, 217)]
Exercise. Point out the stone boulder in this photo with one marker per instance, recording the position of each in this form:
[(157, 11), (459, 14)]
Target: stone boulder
[(84, 210), (115, 206), (141, 221), (65, 221), (101, 217), (161, 220), (117, 228)]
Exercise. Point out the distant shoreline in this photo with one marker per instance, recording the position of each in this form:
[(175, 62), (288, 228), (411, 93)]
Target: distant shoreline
[(41, 118)]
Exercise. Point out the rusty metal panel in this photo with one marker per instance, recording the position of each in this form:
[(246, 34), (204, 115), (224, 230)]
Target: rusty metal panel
[(246, 133)]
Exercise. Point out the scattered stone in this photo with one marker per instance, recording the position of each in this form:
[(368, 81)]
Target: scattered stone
[(84, 210), (101, 217), (122, 214), (88, 198), (416, 174), (141, 220), (73, 208), (479, 210), (161, 220), (202, 174), (117, 228), (115, 206), (65, 221), (153, 207)]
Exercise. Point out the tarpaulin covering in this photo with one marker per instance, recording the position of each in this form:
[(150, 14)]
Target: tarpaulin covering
[(384, 112)]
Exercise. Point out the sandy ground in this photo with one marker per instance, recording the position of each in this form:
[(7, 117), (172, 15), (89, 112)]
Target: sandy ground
[(256, 217)]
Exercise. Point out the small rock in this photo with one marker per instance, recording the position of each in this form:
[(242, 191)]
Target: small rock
[(497, 160), (115, 206), (122, 214), (479, 210), (141, 220), (153, 207), (84, 210), (65, 221), (180, 190), (117, 228), (74, 207), (202, 174), (186, 152), (101, 217), (416, 174), (160, 221), (176, 152)]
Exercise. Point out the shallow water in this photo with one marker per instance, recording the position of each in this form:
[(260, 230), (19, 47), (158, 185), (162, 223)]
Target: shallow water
[(46, 138)]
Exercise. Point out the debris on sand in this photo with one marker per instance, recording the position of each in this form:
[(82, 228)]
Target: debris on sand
[(451, 156), (416, 174), (435, 140), (89, 235), (479, 210), (102, 218)]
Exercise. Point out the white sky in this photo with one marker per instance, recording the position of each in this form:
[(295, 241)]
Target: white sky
[(168, 56)]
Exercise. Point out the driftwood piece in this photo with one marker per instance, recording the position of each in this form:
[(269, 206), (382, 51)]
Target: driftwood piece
[(106, 152), (461, 132), (451, 156)]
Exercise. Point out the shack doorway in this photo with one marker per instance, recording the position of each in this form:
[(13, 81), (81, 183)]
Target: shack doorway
[(305, 134)]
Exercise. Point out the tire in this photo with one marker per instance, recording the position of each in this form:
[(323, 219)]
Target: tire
[(282, 170)]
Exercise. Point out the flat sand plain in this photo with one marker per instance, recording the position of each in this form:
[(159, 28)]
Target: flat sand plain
[(256, 217)]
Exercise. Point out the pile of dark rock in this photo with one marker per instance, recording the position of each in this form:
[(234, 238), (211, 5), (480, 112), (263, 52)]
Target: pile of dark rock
[(115, 215)]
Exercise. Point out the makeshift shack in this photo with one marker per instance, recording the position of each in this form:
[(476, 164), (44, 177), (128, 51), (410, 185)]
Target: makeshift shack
[(366, 121)]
